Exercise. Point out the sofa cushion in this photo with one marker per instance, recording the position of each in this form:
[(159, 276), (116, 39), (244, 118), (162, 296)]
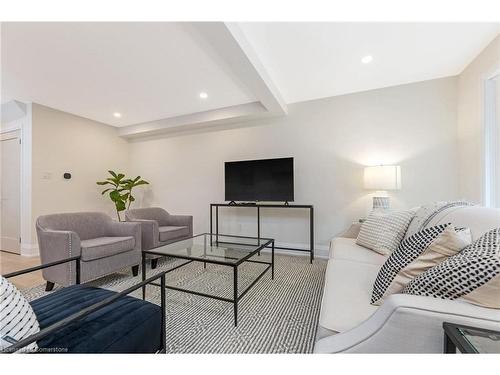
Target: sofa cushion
[(128, 325), (347, 249), (346, 295), (103, 247), (479, 219), (168, 233)]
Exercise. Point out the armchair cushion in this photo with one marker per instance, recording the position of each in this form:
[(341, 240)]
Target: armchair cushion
[(128, 325), (103, 247), (168, 233)]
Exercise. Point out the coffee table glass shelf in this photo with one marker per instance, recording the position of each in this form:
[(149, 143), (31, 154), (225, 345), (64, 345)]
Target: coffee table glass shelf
[(225, 250)]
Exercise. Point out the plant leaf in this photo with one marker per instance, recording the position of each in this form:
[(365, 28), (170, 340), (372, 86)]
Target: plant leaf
[(112, 180), (115, 196), (120, 205)]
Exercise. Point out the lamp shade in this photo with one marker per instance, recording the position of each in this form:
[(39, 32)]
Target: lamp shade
[(383, 177)]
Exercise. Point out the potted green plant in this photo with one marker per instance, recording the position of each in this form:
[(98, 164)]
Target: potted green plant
[(120, 189)]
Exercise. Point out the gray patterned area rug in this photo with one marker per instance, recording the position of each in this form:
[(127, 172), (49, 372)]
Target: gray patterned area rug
[(275, 316)]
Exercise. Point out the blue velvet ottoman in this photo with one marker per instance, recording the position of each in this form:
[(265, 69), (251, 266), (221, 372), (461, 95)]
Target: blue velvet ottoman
[(127, 325)]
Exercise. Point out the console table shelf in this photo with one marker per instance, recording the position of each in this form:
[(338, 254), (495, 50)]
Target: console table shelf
[(258, 207)]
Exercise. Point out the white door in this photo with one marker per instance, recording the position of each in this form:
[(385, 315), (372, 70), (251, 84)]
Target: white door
[(10, 187)]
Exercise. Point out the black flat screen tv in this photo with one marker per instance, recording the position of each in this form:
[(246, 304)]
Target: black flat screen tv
[(259, 180)]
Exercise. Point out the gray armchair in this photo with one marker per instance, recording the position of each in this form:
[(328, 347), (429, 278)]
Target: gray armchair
[(160, 228), (105, 246)]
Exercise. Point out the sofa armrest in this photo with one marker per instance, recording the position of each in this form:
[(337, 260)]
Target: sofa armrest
[(182, 220), (150, 237), (124, 229), (55, 245), (352, 231), (408, 324)]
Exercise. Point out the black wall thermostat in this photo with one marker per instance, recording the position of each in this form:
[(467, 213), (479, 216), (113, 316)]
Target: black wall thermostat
[(67, 176)]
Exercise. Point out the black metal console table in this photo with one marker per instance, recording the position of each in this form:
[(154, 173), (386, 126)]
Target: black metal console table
[(258, 207)]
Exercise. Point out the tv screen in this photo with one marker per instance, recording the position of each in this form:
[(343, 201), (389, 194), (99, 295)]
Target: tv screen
[(259, 180)]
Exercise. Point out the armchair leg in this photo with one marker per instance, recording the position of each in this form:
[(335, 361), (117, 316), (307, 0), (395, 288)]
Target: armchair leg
[(154, 263), (49, 286), (135, 270)]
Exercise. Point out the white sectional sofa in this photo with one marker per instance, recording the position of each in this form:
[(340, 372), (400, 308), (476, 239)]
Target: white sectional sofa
[(403, 323)]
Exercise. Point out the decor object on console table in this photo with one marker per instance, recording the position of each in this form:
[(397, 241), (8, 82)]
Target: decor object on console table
[(382, 178), (470, 340), (259, 206), (160, 228), (105, 246), (84, 319)]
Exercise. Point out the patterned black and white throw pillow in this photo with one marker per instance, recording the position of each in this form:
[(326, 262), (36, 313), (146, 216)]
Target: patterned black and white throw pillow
[(472, 275), (17, 318), (409, 250), (383, 231)]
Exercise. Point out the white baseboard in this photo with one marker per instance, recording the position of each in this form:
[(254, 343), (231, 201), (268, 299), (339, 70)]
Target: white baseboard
[(29, 250)]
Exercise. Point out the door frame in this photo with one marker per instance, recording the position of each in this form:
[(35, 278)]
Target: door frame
[(5, 136), (24, 125)]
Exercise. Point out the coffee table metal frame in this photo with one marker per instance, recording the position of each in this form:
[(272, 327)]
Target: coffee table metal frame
[(454, 339), (266, 243)]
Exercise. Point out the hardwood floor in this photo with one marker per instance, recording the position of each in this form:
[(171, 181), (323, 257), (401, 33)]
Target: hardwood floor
[(10, 262)]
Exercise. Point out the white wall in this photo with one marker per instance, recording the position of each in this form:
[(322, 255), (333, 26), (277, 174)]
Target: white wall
[(470, 120), (331, 140), (63, 142)]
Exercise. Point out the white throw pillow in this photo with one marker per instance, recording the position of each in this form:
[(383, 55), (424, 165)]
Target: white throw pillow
[(383, 231), (17, 318), (425, 215)]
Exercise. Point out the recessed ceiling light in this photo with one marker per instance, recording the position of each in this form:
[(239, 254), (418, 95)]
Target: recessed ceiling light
[(117, 114), (367, 59), (203, 95)]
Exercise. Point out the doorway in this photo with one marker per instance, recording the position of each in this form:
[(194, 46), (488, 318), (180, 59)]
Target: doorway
[(10, 192)]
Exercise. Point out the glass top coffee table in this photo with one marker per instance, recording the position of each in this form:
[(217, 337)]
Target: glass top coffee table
[(225, 250)]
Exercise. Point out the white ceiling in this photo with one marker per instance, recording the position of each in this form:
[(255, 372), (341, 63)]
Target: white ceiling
[(155, 71), (145, 71), (315, 60)]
